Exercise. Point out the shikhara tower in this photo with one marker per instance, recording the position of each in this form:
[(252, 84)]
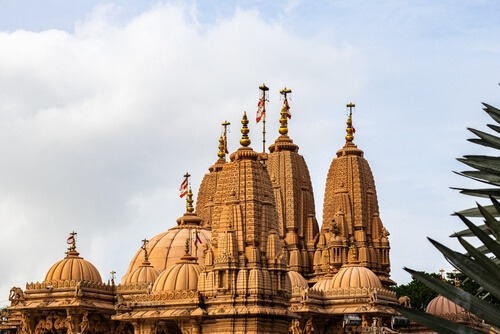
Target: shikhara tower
[(250, 258)]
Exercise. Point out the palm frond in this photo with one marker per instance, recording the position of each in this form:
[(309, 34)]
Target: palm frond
[(475, 305)]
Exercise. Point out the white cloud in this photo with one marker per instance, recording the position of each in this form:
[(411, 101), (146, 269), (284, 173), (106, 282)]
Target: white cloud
[(97, 126)]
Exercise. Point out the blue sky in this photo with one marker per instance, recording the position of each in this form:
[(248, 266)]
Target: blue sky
[(105, 105)]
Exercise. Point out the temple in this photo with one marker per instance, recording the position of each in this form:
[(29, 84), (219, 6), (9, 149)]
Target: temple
[(249, 258)]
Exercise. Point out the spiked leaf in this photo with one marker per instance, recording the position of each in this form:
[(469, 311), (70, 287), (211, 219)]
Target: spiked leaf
[(435, 323), (486, 139), (492, 245), (475, 305)]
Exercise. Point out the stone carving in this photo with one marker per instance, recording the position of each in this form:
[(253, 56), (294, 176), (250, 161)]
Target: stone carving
[(24, 327), (78, 289), (295, 327), (84, 324), (304, 294), (120, 302), (60, 322), (16, 295), (373, 296), (309, 328), (70, 326), (404, 301)]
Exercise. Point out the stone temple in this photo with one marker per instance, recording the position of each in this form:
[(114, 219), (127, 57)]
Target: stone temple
[(249, 257)]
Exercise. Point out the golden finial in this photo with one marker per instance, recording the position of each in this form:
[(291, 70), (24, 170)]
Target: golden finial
[(245, 140), (349, 137), (189, 201), (72, 241), (285, 112), (143, 247), (222, 152)]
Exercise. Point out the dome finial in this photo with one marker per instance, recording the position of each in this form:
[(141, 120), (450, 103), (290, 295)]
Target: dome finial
[(189, 201), (222, 152), (143, 247), (349, 137), (285, 112), (245, 140), (72, 242)]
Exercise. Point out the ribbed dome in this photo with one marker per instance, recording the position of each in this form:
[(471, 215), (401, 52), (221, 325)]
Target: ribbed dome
[(182, 276), (167, 248), (323, 284), (297, 280), (442, 306), (355, 277), (146, 273), (73, 267)]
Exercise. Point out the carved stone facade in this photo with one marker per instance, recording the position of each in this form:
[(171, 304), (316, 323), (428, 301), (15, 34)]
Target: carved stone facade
[(251, 259)]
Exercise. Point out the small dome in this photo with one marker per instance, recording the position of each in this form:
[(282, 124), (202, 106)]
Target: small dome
[(181, 276), (146, 273), (442, 306), (73, 267), (323, 284), (167, 248), (353, 276), (297, 279)]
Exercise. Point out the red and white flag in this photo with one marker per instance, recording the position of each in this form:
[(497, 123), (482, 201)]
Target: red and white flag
[(286, 108), (261, 110), (183, 188), (197, 239), (71, 239)]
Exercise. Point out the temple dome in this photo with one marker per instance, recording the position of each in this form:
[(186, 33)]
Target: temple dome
[(323, 284), (352, 276), (73, 267), (442, 306), (166, 249), (181, 276), (145, 273), (297, 280)]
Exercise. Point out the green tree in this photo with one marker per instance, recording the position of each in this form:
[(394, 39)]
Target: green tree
[(479, 264), (419, 293)]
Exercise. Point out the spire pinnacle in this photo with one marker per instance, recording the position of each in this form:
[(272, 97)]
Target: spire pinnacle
[(245, 140), (143, 247), (189, 201), (222, 152), (72, 242), (349, 137), (285, 112)]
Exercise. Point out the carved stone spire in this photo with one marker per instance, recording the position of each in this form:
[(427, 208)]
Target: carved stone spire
[(351, 207)]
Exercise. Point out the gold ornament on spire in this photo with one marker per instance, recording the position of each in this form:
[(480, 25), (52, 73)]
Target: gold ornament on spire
[(189, 201), (245, 140), (222, 153), (285, 112), (349, 137)]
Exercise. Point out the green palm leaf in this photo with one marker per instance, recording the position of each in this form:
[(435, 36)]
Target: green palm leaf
[(475, 305)]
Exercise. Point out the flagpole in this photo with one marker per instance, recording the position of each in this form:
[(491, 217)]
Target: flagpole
[(264, 89), (225, 124)]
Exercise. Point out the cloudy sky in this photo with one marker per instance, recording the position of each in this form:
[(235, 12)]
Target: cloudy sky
[(105, 105)]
